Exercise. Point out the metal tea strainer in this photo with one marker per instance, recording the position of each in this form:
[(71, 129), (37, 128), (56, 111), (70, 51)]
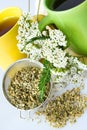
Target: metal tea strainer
[(37, 10), (18, 65), (15, 67)]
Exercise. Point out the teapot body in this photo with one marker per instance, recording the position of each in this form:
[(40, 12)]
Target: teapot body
[(72, 22)]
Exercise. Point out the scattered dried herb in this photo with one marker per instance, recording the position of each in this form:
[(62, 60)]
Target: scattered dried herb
[(23, 90), (67, 107)]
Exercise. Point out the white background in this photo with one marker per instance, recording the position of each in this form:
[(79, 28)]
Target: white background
[(20, 3), (9, 116)]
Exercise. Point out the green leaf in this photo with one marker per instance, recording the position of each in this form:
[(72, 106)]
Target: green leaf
[(34, 39), (44, 79)]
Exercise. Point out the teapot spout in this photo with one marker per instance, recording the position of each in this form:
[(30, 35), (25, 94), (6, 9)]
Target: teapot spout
[(44, 22), (47, 20)]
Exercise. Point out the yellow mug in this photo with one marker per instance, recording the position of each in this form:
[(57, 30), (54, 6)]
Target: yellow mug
[(8, 32)]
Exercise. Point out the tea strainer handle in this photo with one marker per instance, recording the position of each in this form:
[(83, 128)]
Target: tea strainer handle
[(25, 115)]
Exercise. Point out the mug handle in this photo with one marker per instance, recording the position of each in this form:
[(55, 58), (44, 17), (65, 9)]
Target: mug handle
[(45, 21)]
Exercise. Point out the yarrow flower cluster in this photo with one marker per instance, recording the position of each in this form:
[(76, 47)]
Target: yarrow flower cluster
[(50, 45)]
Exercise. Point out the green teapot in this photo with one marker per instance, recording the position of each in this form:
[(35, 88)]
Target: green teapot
[(73, 23)]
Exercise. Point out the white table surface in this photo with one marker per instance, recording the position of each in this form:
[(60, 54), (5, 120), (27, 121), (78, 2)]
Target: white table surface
[(9, 116)]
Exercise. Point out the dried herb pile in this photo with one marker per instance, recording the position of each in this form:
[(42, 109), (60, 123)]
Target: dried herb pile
[(67, 107), (23, 90)]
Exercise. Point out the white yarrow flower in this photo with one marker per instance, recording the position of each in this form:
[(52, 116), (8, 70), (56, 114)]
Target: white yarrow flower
[(49, 45)]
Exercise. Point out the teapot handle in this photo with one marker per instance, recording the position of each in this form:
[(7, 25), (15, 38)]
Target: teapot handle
[(45, 21)]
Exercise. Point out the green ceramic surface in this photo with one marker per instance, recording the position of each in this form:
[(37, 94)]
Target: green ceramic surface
[(73, 23)]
